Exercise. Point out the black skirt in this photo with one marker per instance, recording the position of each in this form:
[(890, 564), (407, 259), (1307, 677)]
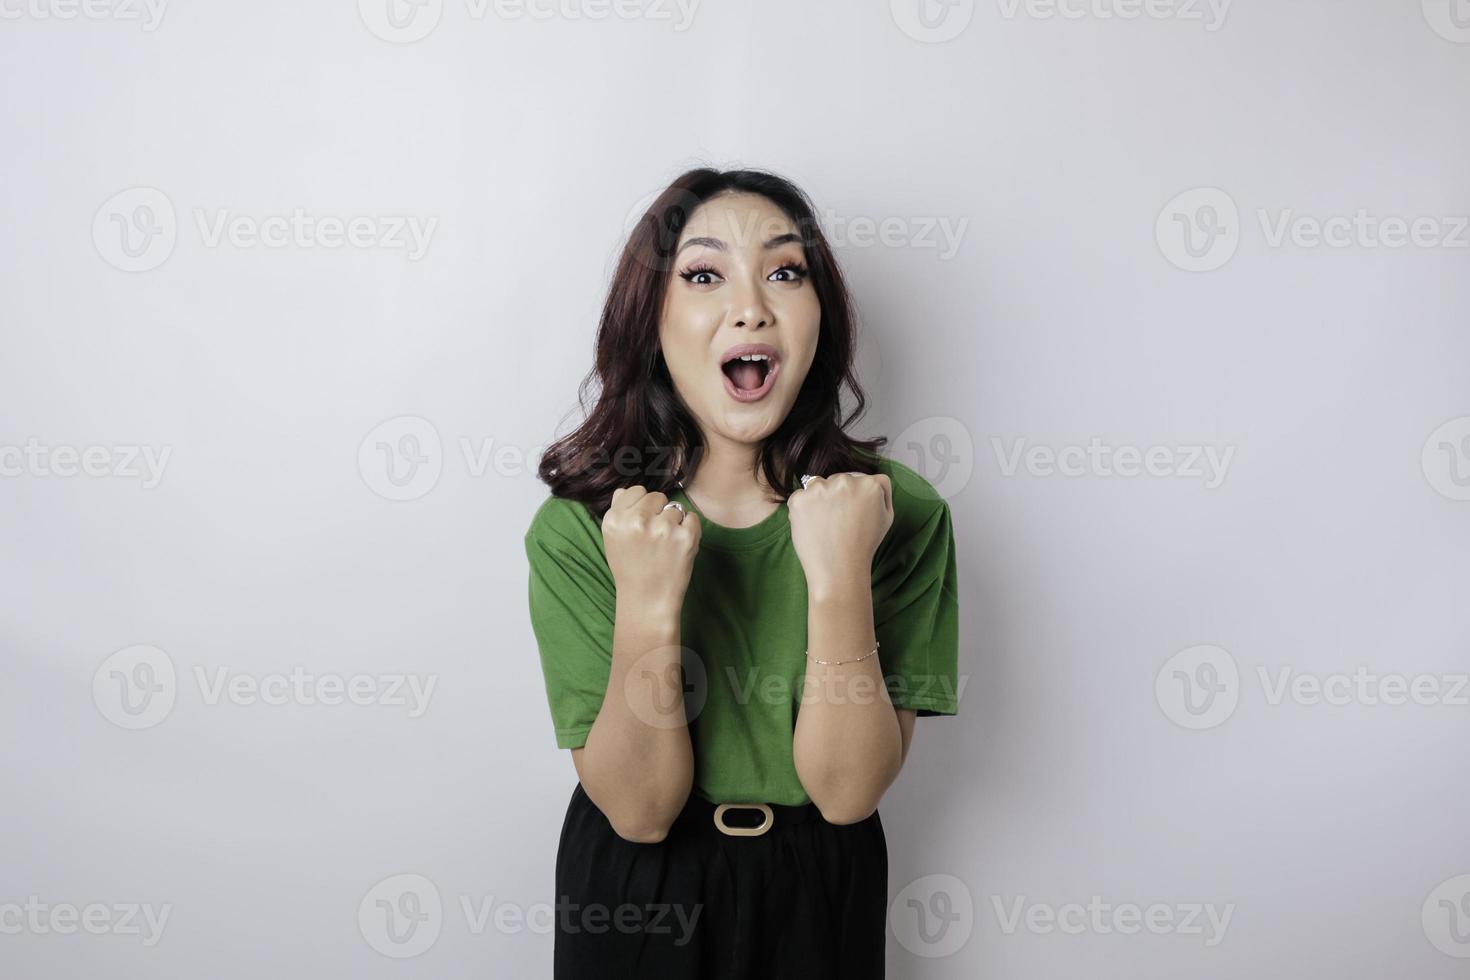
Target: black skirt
[(806, 899)]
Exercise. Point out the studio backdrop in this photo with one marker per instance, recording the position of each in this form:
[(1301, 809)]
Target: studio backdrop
[(1168, 299)]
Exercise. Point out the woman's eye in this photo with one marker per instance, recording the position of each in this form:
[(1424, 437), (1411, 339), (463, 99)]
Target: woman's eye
[(700, 275), (794, 273)]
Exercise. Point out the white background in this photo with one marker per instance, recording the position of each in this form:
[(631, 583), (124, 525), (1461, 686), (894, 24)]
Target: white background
[(1070, 309)]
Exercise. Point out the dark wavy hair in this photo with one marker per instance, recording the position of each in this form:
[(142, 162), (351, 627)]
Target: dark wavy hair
[(639, 432)]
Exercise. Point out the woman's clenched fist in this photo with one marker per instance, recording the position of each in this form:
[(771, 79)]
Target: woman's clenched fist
[(837, 523), (650, 550)]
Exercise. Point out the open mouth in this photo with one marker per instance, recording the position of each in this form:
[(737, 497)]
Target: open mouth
[(750, 371)]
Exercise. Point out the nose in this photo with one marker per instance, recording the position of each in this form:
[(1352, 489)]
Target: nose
[(750, 309)]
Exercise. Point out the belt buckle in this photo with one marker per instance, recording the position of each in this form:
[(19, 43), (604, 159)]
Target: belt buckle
[(744, 831)]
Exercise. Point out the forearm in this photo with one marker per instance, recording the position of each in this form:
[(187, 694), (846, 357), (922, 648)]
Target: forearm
[(638, 763), (848, 745)]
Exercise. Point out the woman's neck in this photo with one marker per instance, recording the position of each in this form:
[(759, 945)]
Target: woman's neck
[(729, 488)]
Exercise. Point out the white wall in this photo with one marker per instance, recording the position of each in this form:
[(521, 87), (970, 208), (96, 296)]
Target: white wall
[(1066, 308)]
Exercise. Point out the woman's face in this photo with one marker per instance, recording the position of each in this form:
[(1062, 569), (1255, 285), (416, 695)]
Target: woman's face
[(739, 285)]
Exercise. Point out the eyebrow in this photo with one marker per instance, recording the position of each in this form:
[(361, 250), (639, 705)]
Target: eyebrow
[(720, 246)]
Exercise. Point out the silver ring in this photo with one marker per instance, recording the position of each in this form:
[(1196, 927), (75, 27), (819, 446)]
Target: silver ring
[(805, 479), (672, 503)]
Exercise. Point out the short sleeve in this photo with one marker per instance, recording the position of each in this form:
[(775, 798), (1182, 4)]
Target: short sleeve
[(573, 606), (916, 608)]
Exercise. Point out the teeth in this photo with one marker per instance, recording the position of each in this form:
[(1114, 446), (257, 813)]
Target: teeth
[(751, 357)]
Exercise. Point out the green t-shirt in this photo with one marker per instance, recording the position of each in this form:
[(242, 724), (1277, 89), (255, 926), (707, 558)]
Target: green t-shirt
[(743, 627)]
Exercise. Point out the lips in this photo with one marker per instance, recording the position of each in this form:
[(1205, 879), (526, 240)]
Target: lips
[(750, 371)]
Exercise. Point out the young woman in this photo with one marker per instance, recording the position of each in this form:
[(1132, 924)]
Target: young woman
[(735, 602)]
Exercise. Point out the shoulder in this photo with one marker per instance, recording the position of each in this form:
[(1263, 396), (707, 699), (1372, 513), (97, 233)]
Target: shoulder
[(563, 523), (919, 512), (914, 497)]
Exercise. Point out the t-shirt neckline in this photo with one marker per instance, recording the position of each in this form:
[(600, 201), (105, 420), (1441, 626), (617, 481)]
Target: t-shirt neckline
[(726, 538)]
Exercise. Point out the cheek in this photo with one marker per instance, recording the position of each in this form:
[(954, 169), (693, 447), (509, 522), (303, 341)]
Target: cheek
[(686, 312), (801, 311), (683, 336), (803, 319)]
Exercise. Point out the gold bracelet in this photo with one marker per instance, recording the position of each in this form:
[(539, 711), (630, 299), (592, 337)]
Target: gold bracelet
[(833, 663)]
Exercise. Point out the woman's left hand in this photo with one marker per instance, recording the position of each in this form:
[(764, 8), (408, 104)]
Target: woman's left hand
[(837, 523)]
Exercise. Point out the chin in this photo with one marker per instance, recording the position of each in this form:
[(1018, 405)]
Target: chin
[(749, 431)]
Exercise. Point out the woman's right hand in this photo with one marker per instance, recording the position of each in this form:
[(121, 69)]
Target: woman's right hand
[(650, 550)]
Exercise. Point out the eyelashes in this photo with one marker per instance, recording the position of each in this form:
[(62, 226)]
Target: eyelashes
[(690, 273), (797, 269)]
